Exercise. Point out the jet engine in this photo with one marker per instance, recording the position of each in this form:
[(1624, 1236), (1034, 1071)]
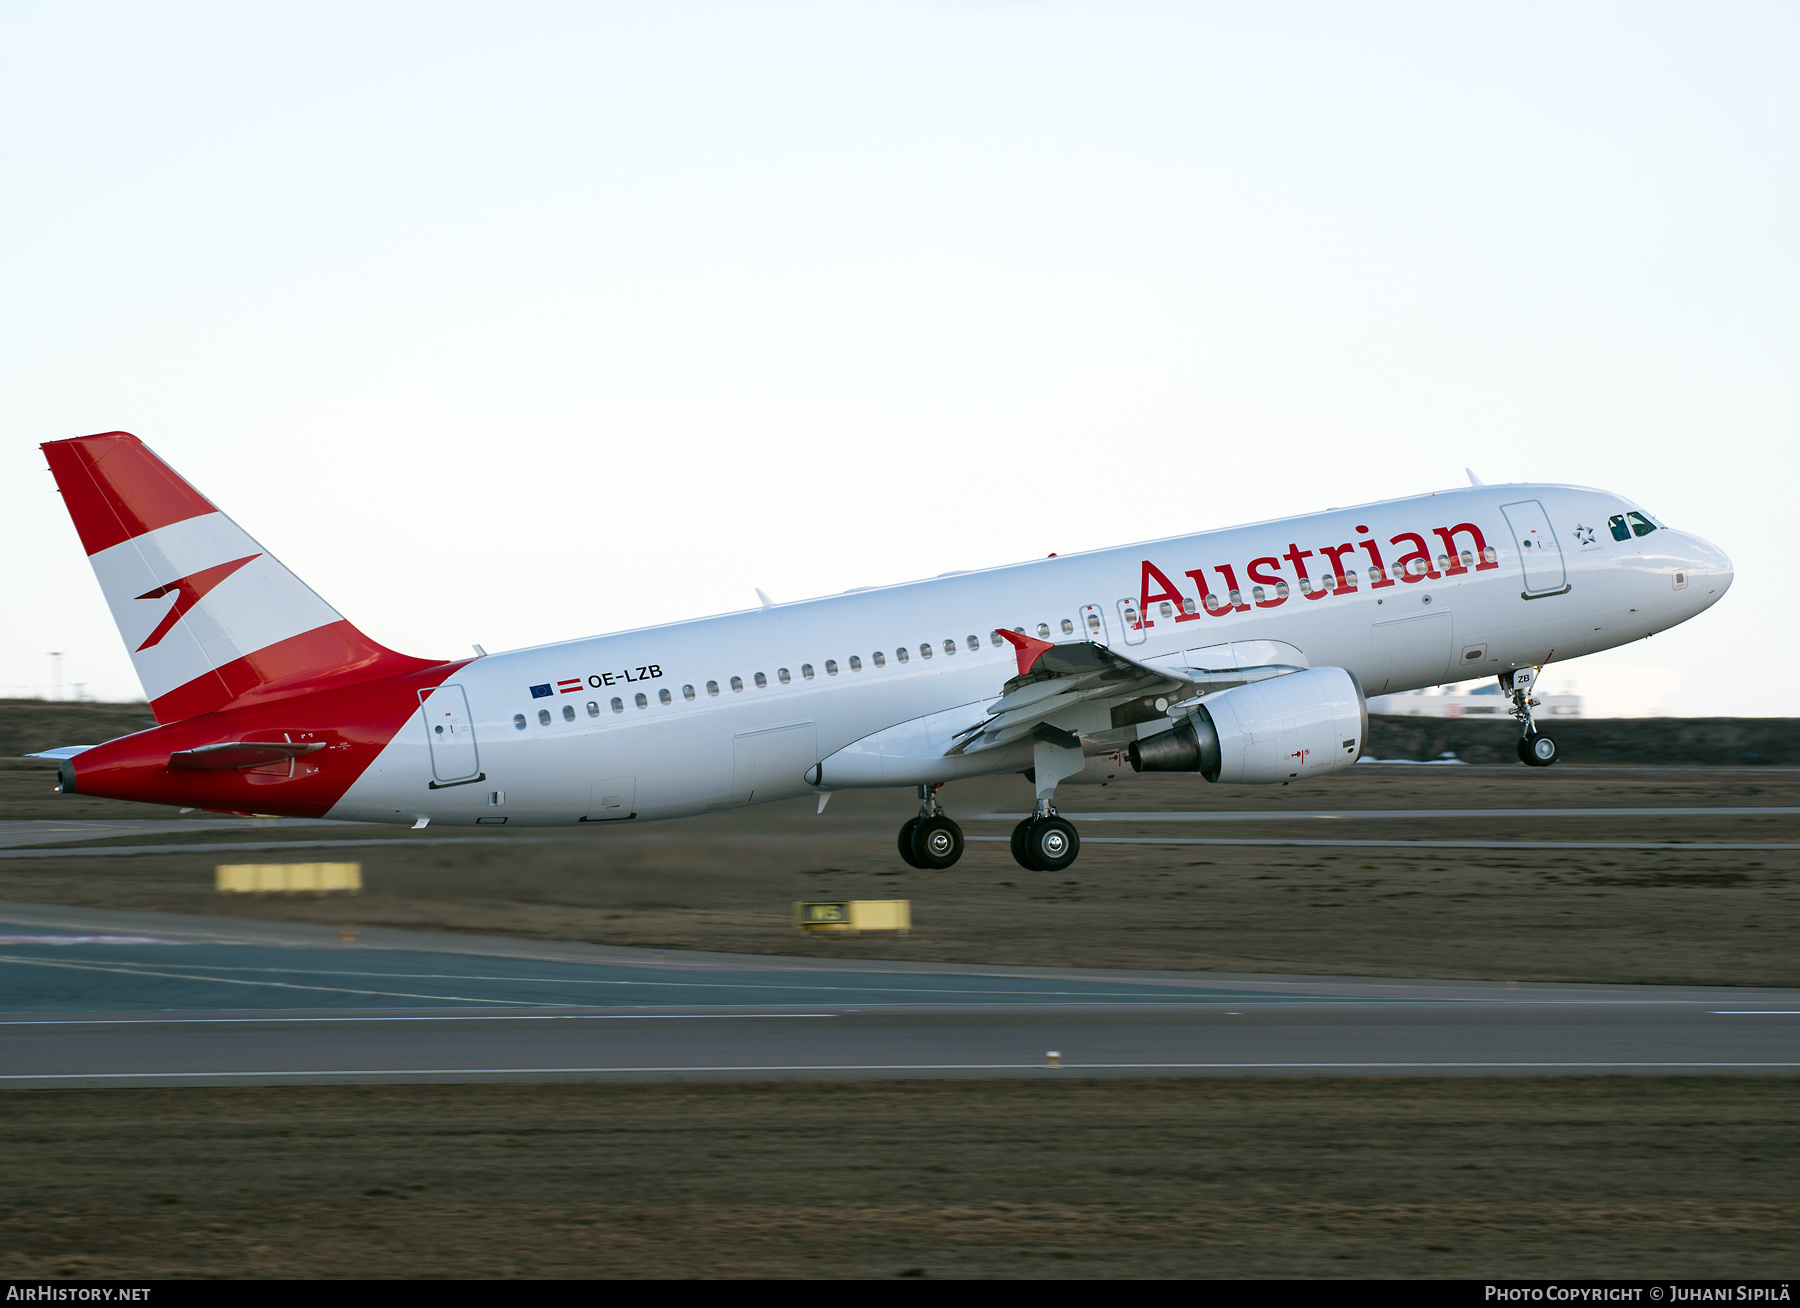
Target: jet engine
[(1287, 728)]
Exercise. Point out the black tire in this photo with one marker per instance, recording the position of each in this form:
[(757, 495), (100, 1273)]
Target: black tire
[(1021, 852), (937, 843), (906, 843), (1537, 750), (1053, 844)]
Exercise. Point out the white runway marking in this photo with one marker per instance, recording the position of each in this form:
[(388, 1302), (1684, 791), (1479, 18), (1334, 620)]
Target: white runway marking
[(886, 1067), (1267, 815), (233, 981), (433, 1017), (1415, 844)]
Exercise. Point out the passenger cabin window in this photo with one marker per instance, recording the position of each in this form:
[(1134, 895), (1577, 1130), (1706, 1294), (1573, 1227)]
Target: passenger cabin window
[(762, 682), (737, 683), (880, 659), (831, 667), (901, 654), (543, 717), (806, 671), (925, 650), (974, 642), (641, 701), (996, 639), (568, 712), (855, 663), (1640, 525), (712, 688), (687, 692), (1093, 624), (519, 721), (1044, 628), (665, 696), (783, 676), (1068, 627), (618, 705), (593, 709), (949, 647)]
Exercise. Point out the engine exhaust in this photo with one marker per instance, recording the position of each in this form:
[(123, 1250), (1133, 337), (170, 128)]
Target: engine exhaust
[(1191, 746)]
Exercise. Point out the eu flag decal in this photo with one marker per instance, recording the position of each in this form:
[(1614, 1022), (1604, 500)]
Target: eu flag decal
[(541, 692)]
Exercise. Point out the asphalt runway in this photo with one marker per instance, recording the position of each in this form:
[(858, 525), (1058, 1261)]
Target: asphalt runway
[(115, 998)]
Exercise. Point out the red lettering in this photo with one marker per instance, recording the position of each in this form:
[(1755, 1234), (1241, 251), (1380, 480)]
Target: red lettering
[(1448, 536), (1336, 554), (1168, 592), (1419, 552), (1260, 576), (1199, 576), (1294, 555), (1378, 571), (1232, 593)]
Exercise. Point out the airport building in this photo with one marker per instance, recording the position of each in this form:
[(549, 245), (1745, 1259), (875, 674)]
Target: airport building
[(1467, 698)]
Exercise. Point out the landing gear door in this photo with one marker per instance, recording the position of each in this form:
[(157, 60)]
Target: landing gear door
[(1539, 553), (1093, 624), (451, 735)]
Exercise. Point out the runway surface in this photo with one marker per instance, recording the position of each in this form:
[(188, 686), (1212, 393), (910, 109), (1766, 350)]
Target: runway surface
[(113, 998)]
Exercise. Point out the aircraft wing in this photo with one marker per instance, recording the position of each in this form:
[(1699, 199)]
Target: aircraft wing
[(1075, 686), (1091, 690)]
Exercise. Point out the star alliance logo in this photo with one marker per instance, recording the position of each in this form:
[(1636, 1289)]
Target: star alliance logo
[(1585, 535)]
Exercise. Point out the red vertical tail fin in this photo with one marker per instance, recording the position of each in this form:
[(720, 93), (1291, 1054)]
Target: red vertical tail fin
[(211, 618)]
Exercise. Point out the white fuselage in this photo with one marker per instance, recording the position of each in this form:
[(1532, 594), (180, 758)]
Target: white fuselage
[(702, 715)]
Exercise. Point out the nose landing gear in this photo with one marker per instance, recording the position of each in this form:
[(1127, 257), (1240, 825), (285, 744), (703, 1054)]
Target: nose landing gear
[(1535, 749), (931, 840)]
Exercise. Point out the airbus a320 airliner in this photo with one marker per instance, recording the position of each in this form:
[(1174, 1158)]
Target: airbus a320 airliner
[(1241, 655)]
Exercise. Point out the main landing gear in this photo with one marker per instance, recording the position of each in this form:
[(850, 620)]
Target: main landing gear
[(930, 840), (1536, 750), (1045, 842)]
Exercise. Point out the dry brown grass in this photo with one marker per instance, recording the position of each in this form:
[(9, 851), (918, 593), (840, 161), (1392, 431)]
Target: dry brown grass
[(1475, 1177)]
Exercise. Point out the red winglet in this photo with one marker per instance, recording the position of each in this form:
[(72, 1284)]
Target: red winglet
[(1029, 649)]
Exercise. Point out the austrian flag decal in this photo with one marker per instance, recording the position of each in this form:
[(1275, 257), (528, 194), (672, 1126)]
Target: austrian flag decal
[(569, 687)]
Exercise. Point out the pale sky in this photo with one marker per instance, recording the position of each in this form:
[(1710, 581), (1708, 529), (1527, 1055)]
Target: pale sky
[(519, 322)]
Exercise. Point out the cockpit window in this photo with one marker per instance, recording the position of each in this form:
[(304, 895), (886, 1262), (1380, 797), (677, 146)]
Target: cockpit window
[(1640, 525), (1619, 530)]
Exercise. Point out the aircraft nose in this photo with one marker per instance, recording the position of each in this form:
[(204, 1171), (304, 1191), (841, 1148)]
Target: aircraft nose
[(1710, 569)]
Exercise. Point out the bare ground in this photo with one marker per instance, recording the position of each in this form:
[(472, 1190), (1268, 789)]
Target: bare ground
[(1604, 1177), (726, 881)]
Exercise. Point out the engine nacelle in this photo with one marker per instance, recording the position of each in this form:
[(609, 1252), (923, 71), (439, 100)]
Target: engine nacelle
[(1288, 728)]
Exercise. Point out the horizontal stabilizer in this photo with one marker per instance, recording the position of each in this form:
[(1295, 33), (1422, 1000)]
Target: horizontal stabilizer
[(61, 752), (240, 754)]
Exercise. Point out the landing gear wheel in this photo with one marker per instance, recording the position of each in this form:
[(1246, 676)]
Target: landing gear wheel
[(906, 842), (1052, 844), (937, 843), (1021, 850), (1537, 751)]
